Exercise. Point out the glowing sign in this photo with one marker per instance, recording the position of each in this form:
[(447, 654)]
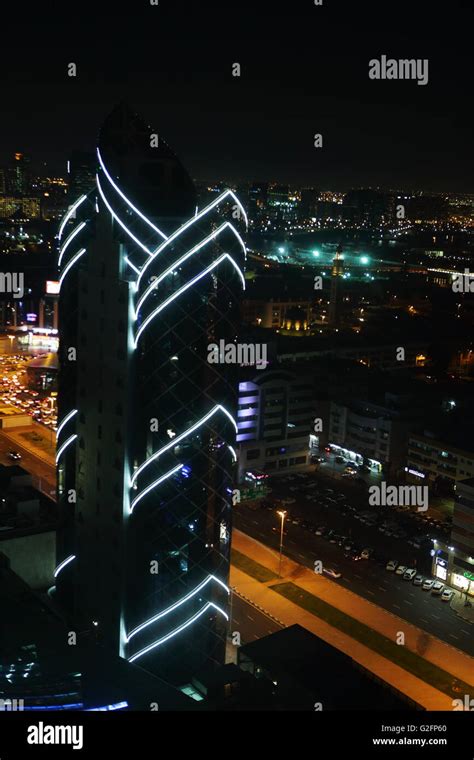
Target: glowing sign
[(52, 287)]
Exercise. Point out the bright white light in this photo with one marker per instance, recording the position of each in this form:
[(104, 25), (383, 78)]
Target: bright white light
[(186, 256), (69, 213), (175, 605), (69, 239), (64, 447), (63, 564), (188, 285), (117, 219), (191, 221), (177, 630), (70, 265), (65, 421), (155, 483), (180, 437), (132, 266), (232, 451), (127, 201)]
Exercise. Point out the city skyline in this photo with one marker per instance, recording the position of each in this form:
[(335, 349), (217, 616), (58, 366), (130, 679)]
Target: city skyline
[(314, 79)]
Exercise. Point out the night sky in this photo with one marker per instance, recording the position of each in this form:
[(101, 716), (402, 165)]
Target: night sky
[(304, 70)]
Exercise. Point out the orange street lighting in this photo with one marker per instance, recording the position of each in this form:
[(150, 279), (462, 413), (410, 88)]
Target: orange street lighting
[(282, 513)]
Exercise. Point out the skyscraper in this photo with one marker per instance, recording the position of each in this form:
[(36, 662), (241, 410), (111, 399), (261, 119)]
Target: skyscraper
[(146, 424), (81, 173)]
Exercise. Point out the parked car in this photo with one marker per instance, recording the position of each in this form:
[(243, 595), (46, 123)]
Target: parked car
[(447, 594), (409, 574), (437, 589), (366, 553), (418, 580), (331, 572), (320, 530), (400, 569), (391, 566), (15, 455), (428, 584)]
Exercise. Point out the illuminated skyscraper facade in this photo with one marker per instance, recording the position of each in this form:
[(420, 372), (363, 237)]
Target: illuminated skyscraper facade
[(145, 454)]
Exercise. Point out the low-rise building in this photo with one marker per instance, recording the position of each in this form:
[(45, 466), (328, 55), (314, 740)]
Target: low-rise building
[(275, 412)]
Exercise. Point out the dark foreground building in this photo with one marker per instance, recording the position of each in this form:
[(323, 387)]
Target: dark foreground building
[(146, 424)]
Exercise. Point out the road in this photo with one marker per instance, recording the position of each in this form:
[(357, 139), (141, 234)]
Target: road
[(250, 622), (366, 578), (40, 470)]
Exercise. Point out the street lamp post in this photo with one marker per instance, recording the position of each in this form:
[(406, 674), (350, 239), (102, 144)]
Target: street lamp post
[(282, 514)]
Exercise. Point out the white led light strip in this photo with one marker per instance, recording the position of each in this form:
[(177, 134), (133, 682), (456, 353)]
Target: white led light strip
[(69, 239), (186, 256), (69, 213), (177, 630), (117, 219), (63, 564), (152, 486), (188, 285), (64, 447), (129, 203), (70, 265), (191, 221), (65, 421), (175, 606), (180, 437)]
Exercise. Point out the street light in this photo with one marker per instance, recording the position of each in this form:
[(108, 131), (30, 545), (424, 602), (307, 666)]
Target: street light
[(282, 514)]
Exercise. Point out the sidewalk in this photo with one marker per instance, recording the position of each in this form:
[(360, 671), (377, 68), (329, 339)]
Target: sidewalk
[(440, 654), (466, 613)]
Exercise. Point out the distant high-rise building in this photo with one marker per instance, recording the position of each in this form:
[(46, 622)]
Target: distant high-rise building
[(81, 173), (3, 181), (308, 204), (146, 423), (335, 300), (258, 196), (21, 174)]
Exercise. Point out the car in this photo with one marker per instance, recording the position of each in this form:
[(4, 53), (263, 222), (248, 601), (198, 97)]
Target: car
[(418, 580), (320, 530), (14, 455), (428, 584), (409, 574), (288, 501), (348, 546), (400, 569), (366, 553), (437, 589), (391, 565), (350, 469), (331, 573), (447, 594), (296, 521)]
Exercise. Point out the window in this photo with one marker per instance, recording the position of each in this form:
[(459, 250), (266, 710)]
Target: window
[(253, 454)]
